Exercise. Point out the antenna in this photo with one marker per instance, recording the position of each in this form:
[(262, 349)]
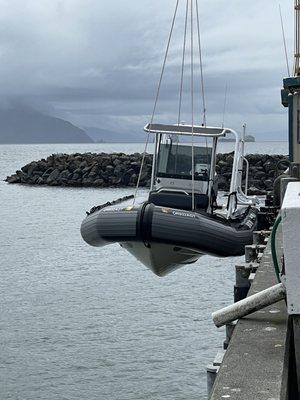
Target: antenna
[(297, 38), (284, 43)]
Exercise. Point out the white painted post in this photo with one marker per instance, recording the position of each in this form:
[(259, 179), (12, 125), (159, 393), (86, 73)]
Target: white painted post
[(249, 305)]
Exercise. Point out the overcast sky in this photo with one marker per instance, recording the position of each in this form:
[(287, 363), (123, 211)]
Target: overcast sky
[(97, 62)]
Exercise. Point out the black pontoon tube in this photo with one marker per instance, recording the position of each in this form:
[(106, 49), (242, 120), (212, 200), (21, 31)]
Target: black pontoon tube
[(184, 229)]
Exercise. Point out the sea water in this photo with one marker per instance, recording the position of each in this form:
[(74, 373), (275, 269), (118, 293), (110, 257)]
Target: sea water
[(78, 322)]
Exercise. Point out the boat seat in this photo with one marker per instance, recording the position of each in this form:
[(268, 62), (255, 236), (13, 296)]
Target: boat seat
[(178, 200)]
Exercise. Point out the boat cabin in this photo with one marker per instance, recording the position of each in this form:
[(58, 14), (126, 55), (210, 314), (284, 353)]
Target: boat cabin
[(183, 174), (174, 165)]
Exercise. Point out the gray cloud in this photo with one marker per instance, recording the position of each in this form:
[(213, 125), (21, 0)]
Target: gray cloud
[(97, 62)]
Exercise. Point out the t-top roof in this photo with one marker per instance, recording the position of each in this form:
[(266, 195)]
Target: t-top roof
[(186, 130)]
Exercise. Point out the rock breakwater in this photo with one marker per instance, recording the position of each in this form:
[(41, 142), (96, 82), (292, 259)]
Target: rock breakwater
[(121, 170)]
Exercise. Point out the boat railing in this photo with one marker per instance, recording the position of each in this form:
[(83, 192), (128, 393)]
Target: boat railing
[(241, 198), (247, 175)]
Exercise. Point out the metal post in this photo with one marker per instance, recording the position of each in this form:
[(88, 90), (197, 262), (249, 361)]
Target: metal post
[(212, 172), (211, 374), (229, 329), (261, 237), (242, 284), (251, 253), (241, 158), (154, 161)]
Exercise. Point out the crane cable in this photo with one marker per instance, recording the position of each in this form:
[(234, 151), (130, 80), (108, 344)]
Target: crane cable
[(202, 86), (182, 76), (183, 61), (156, 100), (284, 43), (192, 107), (181, 88), (201, 66)]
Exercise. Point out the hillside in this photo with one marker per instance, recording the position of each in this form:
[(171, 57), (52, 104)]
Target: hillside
[(25, 125)]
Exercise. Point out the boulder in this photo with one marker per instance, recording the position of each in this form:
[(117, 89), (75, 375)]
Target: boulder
[(87, 182), (52, 177), (64, 175), (259, 175), (76, 177), (13, 179), (109, 169), (271, 173), (125, 179), (133, 179), (86, 170), (119, 169), (269, 166), (105, 161), (29, 168), (40, 181), (223, 183), (38, 173), (98, 183), (268, 184)]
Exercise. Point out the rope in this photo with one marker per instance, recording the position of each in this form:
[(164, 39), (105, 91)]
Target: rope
[(109, 203), (192, 104), (201, 66), (156, 100), (183, 61)]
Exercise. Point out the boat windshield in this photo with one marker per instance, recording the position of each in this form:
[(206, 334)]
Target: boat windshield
[(175, 161)]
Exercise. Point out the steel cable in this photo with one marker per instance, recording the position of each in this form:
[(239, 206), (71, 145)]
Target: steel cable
[(156, 100)]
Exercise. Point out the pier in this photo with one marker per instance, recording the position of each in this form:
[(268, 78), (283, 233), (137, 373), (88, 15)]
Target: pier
[(262, 357), (262, 360), (257, 363)]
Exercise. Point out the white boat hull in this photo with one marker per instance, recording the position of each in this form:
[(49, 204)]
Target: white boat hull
[(156, 256)]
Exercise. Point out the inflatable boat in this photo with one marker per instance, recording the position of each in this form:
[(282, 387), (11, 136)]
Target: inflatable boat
[(181, 218), (164, 239)]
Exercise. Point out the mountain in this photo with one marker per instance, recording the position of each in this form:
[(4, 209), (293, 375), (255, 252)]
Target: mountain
[(22, 124), (107, 136)]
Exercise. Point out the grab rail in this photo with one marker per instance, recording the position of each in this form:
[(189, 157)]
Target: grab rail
[(172, 190)]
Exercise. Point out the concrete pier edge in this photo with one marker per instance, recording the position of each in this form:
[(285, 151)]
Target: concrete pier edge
[(257, 362)]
